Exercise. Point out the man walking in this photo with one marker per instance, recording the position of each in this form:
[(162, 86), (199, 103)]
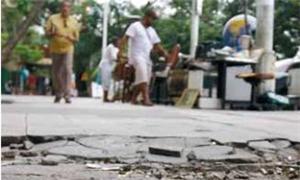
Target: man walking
[(63, 31), (142, 39)]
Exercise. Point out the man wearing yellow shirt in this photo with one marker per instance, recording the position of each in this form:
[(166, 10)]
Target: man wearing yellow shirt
[(63, 31)]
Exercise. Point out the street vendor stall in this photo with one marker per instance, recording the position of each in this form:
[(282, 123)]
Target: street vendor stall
[(231, 89)]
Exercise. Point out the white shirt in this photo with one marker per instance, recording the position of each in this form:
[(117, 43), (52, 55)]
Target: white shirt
[(141, 41), (110, 55)]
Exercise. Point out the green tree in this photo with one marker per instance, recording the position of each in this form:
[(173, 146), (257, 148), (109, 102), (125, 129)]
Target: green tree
[(19, 27), (287, 27)]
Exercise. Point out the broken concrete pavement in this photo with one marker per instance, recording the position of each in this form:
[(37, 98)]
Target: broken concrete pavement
[(60, 140)]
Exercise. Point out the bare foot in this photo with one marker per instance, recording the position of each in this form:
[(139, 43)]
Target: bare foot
[(134, 102), (107, 101), (147, 103)]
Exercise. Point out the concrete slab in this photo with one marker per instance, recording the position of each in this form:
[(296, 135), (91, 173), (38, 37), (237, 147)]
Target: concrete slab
[(13, 124), (281, 144), (50, 124), (224, 153), (49, 145), (262, 145), (76, 150), (211, 152)]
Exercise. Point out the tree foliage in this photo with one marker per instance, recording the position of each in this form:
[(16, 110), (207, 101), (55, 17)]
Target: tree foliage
[(173, 28), (287, 27), (21, 23)]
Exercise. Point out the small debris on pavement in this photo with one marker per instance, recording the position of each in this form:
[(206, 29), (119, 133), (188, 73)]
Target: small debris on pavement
[(27, 145), (46, 162), (263, 171), (191, 156), (9, 154), (53, 160), (28, 154), (105, 167)]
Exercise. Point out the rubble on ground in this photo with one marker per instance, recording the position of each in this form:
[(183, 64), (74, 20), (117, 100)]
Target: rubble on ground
[(163, 158)]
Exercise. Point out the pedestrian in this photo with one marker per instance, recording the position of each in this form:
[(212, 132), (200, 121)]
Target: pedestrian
[(107, 65), (31, 83), (63, 31), (142, 39), (24, 74)]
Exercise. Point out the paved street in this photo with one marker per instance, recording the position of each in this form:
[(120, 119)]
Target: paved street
[(88, 133), (38, 116)]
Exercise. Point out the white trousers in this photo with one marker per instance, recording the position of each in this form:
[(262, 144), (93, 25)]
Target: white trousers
[(106, 75)]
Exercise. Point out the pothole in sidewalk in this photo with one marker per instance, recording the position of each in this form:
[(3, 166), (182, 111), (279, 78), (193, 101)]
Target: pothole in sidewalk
[(210, 158)]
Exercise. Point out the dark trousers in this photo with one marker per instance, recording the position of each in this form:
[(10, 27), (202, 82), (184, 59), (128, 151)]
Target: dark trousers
[(62, 69)]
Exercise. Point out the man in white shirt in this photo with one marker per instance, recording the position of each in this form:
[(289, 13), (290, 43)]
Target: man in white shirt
[(107, 65), (142, 39)]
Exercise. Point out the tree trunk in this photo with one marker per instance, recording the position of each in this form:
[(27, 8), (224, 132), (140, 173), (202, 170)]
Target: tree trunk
[(22, 29)]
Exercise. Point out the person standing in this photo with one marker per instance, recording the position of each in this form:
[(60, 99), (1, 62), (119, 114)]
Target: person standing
[(107, 65), (31, 83), (63, 31), (142, 39), (24, 74)]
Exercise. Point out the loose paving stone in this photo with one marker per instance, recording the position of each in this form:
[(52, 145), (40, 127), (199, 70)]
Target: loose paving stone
[(281, 144), (264, 146), (166, 151), (241, 156), (224, 153), (211, 152), (74, 150), (115, 146)]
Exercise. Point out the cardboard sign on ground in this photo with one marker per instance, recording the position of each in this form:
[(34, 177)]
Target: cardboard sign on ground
[(188, 98)]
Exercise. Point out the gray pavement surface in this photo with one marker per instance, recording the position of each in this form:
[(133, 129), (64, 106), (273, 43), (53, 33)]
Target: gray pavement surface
[(90, 132), (39, 116)]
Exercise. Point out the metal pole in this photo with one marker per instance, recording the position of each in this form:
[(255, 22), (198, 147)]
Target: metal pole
[(264, 40), (196, 12), (105, 26), (246, 16)]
